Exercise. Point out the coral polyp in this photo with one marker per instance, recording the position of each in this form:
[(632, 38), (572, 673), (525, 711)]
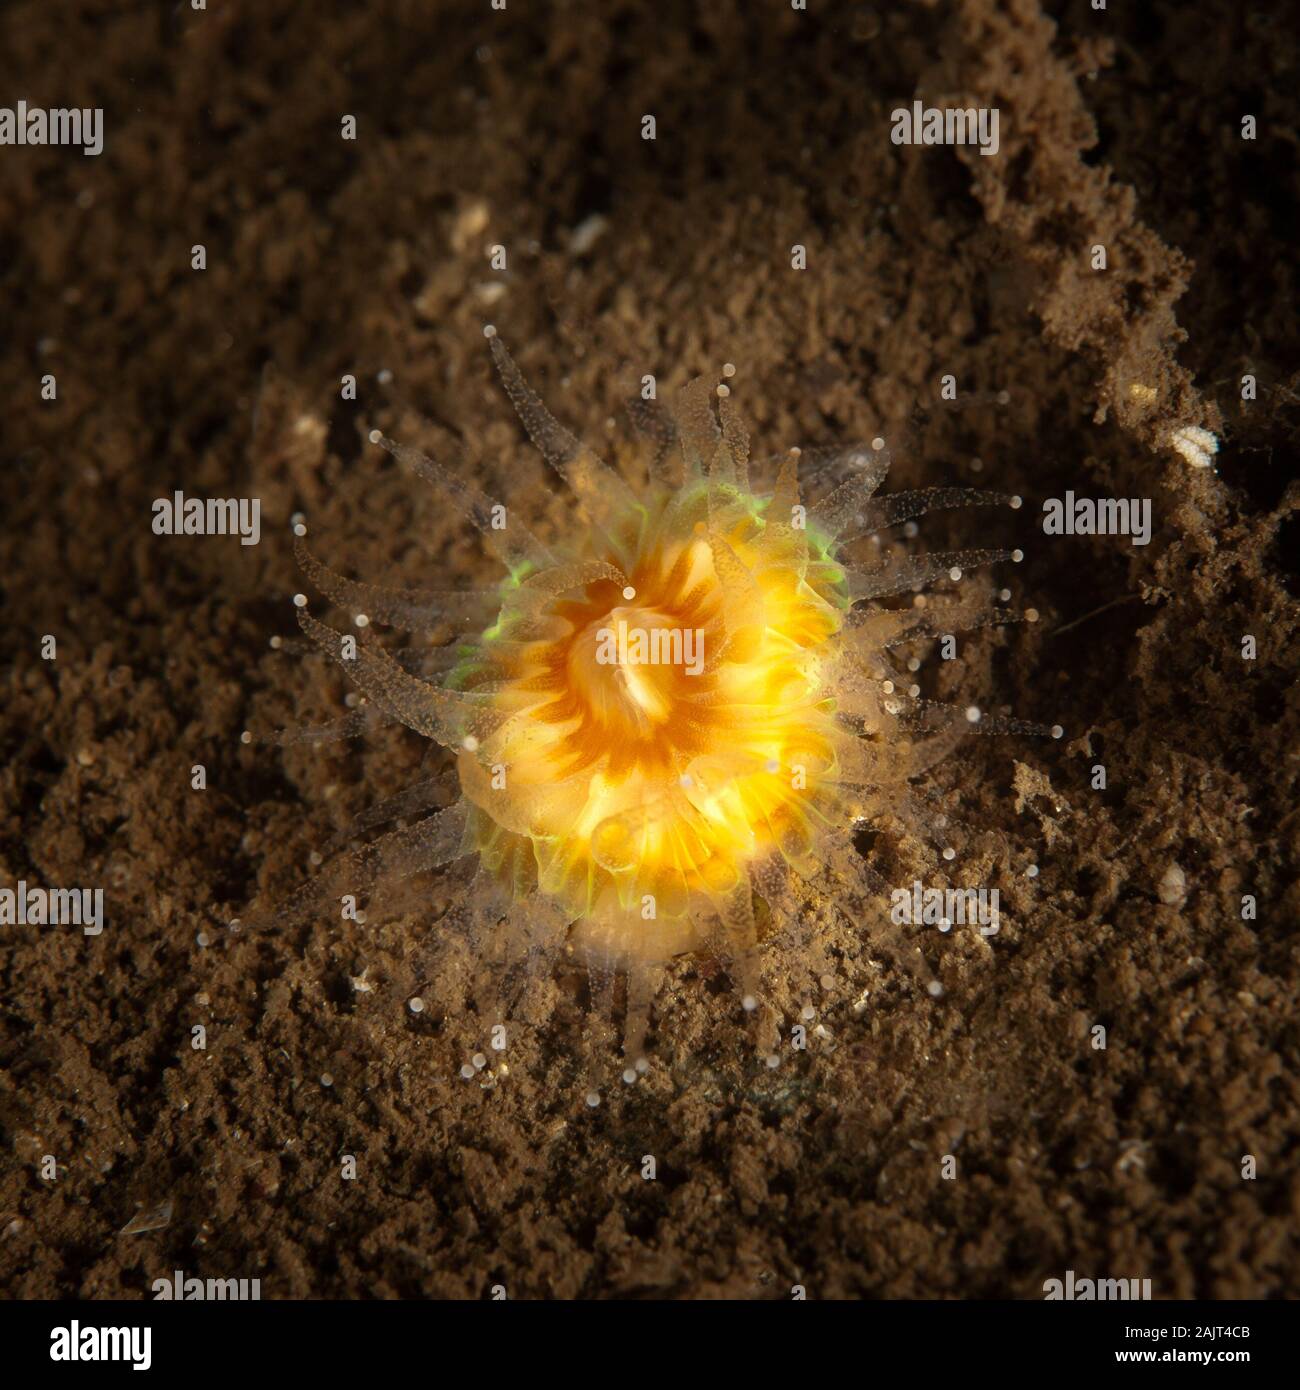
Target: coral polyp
[(668, 724)]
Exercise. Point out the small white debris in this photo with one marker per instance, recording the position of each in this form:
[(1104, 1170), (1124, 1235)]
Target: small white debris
[(300, 600), (973, 715), (807, 1013), (1173, 886), (415, 1004), (749, 1003), (479, 1060), (728, 369), (587, 233), (468, 1072), (1196, 445), (629, 593), (950, 853), (326, 1080), (935, 989), (1032, 871), (469, 743), (629, 1076), (593, 1099)]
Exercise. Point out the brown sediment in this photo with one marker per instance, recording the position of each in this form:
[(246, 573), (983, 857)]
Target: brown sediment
[(326, 258)]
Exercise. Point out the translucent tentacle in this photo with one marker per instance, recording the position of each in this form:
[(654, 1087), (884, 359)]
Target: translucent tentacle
[(920, 569), (514, 545), (837, 511), (903, 506), (602, 493), (435, 841), (446, 717), (412, 609)]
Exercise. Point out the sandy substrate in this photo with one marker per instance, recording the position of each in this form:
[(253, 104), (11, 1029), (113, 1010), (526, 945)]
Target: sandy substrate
[(327, 257)]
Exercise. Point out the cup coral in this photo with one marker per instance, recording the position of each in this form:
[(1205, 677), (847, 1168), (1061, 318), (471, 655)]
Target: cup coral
[(667, 727)]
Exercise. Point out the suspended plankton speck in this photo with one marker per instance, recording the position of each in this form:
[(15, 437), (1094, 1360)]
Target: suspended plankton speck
[(415, 1004), (807, 1013), (299, 529), (911, 530), (489, 330), (1004, 595), (913, 664), (1017, 556), (326, 1080), (773, 1060), (723, 390), (300, 600), (827, 982), (203, 939), (384, 377), (955, 572), (887, 687), (1057, 731), (468, 1072), (914, 690), (728, 369), (593, 1099), (276, 643), (935, 989), (246, 737), (629, 593), (949, 853), (1032, 871), (469, 743), (642, 1065), (749, 1003), (361, 620), (1031, 615), (877, 443), (973, 715), (376, 436), (479, 1060), (629, 1076)]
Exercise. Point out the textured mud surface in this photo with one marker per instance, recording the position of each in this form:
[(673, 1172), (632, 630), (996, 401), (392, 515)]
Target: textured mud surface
[(327, 257)]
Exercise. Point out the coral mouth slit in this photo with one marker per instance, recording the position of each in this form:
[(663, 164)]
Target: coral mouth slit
[(667, 725)]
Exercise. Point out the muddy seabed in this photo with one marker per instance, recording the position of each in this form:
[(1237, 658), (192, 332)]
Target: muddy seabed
[(327, 257)]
